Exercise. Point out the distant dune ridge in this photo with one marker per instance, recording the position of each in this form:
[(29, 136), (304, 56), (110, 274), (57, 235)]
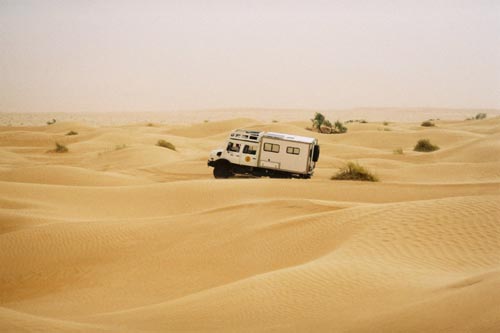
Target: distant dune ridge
[(189, 117), (121, 235)]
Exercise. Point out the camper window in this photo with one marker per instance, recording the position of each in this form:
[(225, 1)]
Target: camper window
[(274, 148), (293, 150)]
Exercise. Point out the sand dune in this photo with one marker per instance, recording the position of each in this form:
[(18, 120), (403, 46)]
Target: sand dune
[(63, 175), (119, 234)]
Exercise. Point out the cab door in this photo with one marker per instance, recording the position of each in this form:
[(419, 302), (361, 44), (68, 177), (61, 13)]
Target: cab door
[(233, 152), (248, 154)]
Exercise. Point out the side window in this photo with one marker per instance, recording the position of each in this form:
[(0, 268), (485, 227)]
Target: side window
[(235, 147), (251, 150), (293, 150), (274, 148)]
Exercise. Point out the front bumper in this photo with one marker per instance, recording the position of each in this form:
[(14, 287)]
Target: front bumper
[(211, 163)]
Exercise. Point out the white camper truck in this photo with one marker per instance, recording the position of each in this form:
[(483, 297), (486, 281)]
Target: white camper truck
[(265, 154)]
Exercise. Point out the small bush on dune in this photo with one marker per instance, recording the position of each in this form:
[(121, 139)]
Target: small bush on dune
[(338, 127), (318, 121), (72, 133), (60, 148), (165, 144), (398, 151), (354, 171), (427, 123), (361, 121), (386, 123), (478, 116), (424, 145), (120, 147), (328, 125)]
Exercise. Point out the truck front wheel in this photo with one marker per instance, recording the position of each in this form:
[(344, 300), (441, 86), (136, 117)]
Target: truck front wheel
[(222, 170)]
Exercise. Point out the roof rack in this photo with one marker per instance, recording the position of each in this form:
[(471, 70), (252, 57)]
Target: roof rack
[(245, 135)]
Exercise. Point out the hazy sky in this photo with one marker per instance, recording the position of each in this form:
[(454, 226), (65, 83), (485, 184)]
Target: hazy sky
[(167, 55)]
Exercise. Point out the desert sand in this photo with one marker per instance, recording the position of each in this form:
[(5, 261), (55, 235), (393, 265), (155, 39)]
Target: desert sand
[(120, 235)]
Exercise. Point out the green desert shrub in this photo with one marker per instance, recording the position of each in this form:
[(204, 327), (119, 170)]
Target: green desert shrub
[(354, 171), (328, 125), (318, 121), (427, 123), (425, 145), (72, 133), (165, 144), (386, 123), (335, 128), (323, 125), (481, 115), (338, 127)]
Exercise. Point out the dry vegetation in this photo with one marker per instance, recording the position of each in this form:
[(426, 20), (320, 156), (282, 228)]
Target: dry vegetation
[(354, 171), (425, 145), (398, 151), (120, 147), (165, 144), (60, 148), (323, 125)]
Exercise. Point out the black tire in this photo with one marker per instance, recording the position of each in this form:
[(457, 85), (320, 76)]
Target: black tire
[(222, 170)]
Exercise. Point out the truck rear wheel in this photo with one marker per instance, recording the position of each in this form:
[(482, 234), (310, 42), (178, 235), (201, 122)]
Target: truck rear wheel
[(222, 170)]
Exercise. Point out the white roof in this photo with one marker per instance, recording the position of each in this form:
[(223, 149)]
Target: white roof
[(289, 137)]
